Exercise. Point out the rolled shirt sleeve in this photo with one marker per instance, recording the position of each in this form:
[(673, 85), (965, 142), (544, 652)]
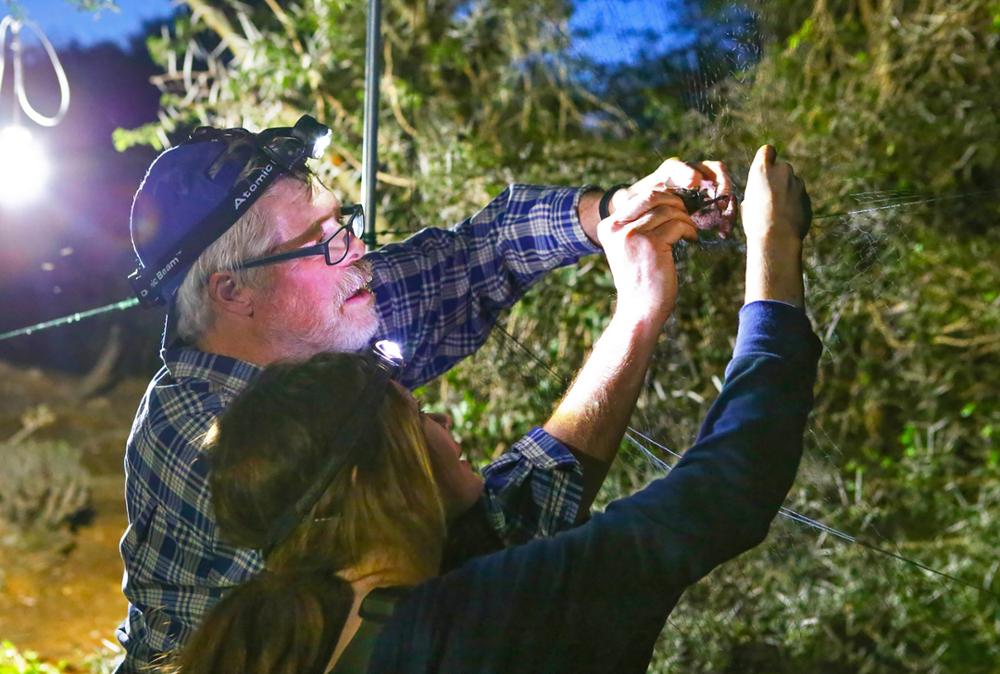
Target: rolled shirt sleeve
[(533, 490)]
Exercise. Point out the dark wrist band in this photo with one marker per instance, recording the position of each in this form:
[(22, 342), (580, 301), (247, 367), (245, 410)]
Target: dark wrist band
[(602, 208)]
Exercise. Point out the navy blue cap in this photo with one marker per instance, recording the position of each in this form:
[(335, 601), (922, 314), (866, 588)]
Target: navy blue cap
[(182, 187), (193, 193)]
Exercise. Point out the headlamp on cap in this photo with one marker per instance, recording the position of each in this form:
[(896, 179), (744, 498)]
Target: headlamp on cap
[(284, 151), (289, 147)]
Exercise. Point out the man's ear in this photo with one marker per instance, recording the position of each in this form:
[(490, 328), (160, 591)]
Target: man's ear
[(228, 296)]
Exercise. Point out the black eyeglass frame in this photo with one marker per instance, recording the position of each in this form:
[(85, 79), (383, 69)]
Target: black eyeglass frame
[(355, 226)]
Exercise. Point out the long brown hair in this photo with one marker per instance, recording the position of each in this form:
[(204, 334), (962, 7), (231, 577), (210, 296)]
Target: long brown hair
[(264, 452)]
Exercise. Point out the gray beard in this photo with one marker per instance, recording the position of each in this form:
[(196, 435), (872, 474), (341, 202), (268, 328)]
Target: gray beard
[(319, 337)]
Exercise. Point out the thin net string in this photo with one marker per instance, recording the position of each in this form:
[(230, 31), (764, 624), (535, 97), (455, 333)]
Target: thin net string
[(856, 239)]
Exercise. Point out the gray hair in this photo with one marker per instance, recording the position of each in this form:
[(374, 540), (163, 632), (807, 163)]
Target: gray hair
[(251, 236)]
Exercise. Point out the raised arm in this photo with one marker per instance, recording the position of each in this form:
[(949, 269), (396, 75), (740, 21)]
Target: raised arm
[(777, 213), (594, 599), (638, 241), (538, 488), (440, 292), (712, 176)]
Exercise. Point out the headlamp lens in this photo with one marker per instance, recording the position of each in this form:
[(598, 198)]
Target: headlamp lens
[(389, 351), (321, 143), (312, 135)]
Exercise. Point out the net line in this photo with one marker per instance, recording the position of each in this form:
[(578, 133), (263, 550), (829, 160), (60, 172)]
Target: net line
[(633, 436), (722, 244)]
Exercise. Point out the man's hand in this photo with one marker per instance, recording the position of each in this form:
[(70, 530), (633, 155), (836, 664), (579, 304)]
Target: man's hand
[(638, 241), (711, 176), (776, 217)]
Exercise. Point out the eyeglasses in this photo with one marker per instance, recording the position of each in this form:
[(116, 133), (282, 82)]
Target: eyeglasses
[(334, 248)]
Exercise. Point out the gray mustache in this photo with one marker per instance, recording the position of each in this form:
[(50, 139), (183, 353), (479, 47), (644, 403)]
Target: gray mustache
[(356, 276)]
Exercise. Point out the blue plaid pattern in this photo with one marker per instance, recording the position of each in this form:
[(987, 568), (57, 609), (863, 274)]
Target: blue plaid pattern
[(533, 489), (438, 295)]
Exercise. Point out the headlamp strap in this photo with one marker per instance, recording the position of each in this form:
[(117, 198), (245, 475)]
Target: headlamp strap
[(148, 280), (385, 369)]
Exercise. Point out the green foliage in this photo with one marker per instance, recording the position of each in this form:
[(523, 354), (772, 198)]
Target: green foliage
[(876, 104), (15, 7), (43, 486), (13, 661), (149, 134), (105, 660), (94, 6)]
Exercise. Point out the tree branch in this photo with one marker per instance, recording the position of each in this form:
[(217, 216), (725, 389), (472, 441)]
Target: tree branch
[(220, 25)]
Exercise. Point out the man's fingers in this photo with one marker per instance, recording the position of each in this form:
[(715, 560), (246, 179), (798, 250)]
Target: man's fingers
[(677, 173), (658, 216), (717, 172), (666, 197), (672, 231), (646, 201), (705, 169), (678, 229)]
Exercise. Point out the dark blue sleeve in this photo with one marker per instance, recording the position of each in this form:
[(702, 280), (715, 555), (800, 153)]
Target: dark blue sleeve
[(595, 598)]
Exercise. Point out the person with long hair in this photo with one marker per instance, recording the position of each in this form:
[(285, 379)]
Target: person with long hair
[(256, 261), (331, 469)]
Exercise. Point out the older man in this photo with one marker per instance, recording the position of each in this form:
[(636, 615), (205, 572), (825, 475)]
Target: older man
[(256, 262)]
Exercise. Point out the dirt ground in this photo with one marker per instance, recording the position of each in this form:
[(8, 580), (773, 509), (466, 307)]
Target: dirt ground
[(65, 605), (60, 593)]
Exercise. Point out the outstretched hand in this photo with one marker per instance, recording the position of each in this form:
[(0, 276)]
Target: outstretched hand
[(646, 222), (776, 217), (776, 204)]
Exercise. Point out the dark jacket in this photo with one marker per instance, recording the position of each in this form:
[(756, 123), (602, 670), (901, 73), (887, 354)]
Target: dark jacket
[(594, 599)]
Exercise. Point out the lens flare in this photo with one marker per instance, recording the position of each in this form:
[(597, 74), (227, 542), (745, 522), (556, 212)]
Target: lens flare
[(389, 350), (23, 167)]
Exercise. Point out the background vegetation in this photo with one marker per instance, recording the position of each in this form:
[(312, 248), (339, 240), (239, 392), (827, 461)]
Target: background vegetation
[(888, 110)]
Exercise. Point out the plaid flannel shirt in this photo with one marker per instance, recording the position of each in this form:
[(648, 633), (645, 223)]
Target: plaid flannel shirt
[(438, 294)]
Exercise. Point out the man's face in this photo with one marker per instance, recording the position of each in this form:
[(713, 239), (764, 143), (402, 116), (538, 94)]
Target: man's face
[(309, 306)]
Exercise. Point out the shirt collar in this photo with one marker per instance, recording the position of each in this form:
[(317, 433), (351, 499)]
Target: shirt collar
[(232, 374)]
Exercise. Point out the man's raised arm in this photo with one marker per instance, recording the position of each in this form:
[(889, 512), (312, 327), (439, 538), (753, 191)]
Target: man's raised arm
[(638, 241), (441, 291)]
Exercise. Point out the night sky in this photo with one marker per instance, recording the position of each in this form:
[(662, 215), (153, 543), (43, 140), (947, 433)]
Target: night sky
[(63, 24)]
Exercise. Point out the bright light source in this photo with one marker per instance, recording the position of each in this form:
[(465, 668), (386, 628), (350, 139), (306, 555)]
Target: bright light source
[(389, 350), (23, 168), (321, 143)]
